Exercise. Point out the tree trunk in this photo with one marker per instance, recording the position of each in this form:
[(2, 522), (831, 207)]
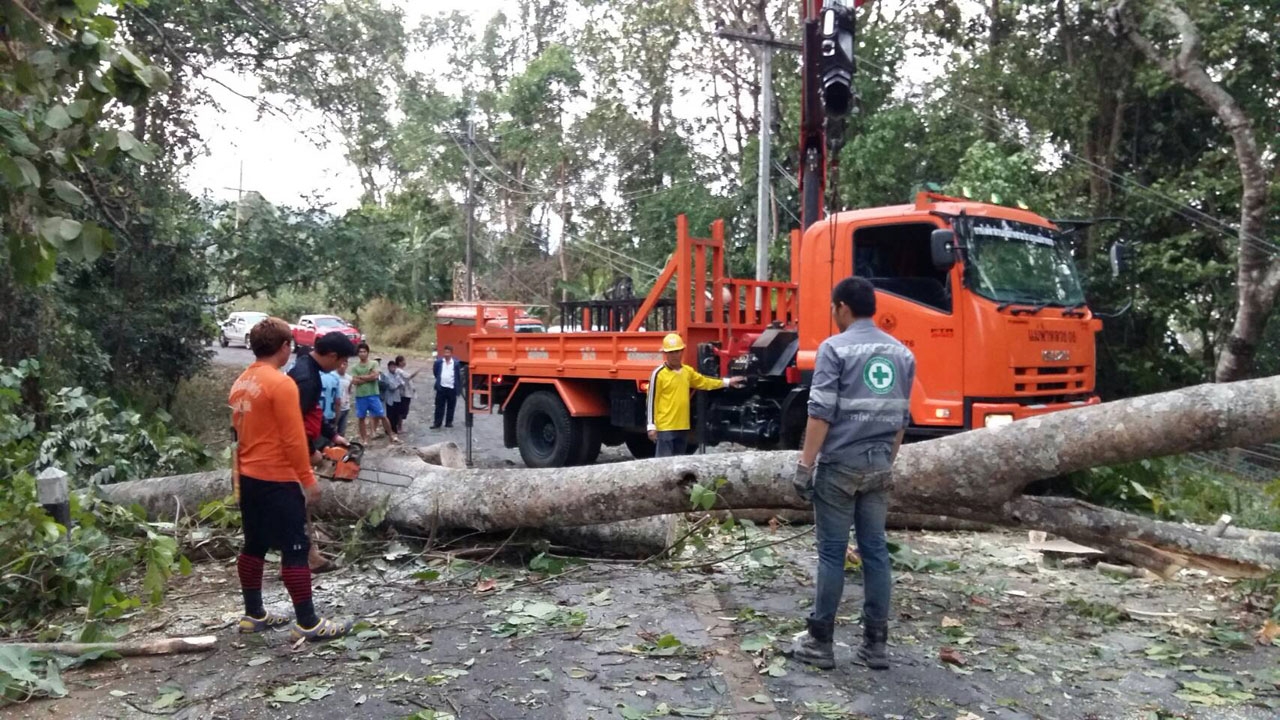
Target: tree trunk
[(1257, 276), (977, 476)]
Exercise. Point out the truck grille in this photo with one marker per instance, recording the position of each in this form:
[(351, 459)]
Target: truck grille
[(1038, 380)]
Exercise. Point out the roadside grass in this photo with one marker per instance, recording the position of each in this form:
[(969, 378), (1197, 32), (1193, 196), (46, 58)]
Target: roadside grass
[(200, 406)]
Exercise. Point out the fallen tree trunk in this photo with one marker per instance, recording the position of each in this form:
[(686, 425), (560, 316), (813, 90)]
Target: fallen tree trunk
[(977, 476), (160, 646)]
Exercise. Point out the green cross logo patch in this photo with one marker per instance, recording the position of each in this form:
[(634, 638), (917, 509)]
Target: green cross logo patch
[(879, 375)]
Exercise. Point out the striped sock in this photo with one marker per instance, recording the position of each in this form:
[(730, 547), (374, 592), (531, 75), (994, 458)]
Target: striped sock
[(297, 580), (249, 568)]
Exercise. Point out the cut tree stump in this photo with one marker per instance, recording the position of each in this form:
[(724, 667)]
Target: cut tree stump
[(976, 476)]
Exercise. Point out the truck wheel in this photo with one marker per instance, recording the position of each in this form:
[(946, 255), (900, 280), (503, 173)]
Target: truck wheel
[(246, 340), (548, 435), (641, 447), (592, 434), (222, 340)]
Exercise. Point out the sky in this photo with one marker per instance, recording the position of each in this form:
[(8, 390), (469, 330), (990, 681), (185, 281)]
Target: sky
[(278, 155)]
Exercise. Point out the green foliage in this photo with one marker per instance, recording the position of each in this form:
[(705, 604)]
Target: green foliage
[(1176, 489), (46, 568), (93, 439), (57, 97)]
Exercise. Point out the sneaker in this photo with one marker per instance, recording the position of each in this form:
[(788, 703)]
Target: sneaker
[(269, 621), (326, 629)]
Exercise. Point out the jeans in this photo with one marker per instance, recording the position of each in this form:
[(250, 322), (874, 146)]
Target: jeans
[(844, 498), (671, 443), (341, 425)]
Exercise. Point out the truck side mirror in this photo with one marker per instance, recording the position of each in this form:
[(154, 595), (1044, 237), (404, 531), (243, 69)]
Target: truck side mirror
[(942, 247), (1120, 259)]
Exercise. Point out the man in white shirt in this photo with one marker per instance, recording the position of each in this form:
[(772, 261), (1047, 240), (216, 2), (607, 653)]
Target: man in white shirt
[(445, 369)]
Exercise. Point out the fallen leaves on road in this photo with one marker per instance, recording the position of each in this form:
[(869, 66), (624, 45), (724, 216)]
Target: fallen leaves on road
[(1269, 633), (951, 656)]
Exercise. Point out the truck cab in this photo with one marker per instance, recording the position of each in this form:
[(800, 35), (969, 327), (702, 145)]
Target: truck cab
[(986, 297)]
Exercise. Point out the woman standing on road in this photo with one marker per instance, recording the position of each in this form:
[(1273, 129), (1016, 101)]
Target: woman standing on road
[(407, 392)]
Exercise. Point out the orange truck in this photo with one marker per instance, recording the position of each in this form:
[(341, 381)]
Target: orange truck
[(987, 297)]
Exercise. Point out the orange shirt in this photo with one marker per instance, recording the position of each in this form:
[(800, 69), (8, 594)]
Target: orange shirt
[(268, 422)]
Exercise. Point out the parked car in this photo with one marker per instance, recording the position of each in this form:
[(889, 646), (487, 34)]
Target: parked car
[(309, 327), (237, 326)]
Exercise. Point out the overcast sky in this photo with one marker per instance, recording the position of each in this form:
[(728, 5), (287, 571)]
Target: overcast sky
[(280, 159), (279, 154)]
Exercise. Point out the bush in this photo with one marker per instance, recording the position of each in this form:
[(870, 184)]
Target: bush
[(95, 441), (1175, 489), (389, 325)]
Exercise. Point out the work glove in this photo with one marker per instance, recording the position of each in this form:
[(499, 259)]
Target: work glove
[(803, 482)]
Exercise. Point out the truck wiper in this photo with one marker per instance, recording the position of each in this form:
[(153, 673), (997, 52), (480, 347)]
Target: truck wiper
[(1029, 310)]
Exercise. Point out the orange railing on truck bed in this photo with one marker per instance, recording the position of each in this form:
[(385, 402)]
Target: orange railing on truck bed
[(710, 307)]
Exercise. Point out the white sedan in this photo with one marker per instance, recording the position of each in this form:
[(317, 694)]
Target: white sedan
[(237, 326)]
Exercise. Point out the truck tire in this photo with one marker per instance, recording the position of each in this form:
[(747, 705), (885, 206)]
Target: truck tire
[(548, 435), (592, 432), (641, 447), (222, 340)]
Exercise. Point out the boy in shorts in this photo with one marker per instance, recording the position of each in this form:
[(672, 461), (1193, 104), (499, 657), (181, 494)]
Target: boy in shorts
[(364, 376)]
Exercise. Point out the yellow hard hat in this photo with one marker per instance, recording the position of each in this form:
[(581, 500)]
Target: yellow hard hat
[(672, 342)]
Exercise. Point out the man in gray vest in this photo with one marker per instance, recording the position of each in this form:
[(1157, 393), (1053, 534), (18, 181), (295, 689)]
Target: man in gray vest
[(859, 405)]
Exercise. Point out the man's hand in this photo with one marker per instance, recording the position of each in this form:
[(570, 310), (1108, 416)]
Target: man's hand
[(316, 458), (803, 481), (341, 441), (737, 381), (653, 435), (313, 494)]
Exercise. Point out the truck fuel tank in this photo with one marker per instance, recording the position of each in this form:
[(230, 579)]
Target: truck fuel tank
[(773, 351)]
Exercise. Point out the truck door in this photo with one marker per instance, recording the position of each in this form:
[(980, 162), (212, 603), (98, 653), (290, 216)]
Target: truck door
[(914, 303)]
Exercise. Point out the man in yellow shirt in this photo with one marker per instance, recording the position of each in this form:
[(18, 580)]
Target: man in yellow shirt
[(670, 387)]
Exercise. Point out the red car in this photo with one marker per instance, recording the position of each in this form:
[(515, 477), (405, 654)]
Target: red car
[(309, 327)]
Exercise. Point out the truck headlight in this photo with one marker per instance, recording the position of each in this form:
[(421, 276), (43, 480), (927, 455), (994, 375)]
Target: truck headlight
[(997, 420)]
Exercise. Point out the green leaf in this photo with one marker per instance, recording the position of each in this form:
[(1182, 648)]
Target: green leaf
[(58, 230), (427, 575), (57, 118), (78, 109), (755, 643), (630, 713), (87, 38), (11, 173), (28, 170), (68, 193), (169, 696)]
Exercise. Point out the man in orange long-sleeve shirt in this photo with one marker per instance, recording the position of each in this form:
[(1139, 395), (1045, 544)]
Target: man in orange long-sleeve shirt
[(272, 467)]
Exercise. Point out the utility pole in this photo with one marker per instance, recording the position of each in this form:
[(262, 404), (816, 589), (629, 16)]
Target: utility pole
[(765, 45), (764, 228), (471, 198), (239, 188)]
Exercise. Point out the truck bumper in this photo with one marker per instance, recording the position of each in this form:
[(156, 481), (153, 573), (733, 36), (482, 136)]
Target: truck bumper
[(989, 414)]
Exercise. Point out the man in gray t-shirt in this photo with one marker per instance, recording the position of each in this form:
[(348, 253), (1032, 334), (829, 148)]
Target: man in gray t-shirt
[(859, 406)]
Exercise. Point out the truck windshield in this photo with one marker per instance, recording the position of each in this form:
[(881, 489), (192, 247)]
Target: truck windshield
[(1012, 262)]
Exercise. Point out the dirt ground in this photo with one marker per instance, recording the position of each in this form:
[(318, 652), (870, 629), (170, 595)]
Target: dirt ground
[(1024, 635)]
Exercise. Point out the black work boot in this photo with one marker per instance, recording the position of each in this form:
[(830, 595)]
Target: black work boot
[(873, 653), (814, 647)]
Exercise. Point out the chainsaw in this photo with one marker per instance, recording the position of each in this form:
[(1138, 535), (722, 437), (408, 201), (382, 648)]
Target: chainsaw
[(346, 460)]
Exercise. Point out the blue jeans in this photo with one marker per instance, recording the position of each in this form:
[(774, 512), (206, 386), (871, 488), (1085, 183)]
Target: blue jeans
[(842, 498)]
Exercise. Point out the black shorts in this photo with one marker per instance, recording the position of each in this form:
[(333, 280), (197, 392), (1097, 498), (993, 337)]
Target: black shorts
[(274, 516)]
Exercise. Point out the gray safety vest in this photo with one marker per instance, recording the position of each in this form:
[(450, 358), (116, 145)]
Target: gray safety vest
[(861, 386)]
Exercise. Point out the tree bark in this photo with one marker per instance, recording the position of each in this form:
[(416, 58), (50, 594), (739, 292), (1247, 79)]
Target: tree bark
[(1257, 276), (161, 646), (977, 476)]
